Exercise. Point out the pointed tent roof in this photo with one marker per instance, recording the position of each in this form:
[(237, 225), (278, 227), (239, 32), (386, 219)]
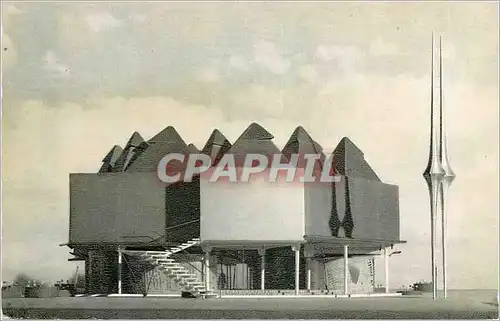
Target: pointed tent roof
[(349, 161), (216, 138), (110, 159), (192, 149), (254, 140), (301, 142), (113, 154), (128, 153), (216, 146), (168, 135), (135, 140), (165, 142), (255, 132)]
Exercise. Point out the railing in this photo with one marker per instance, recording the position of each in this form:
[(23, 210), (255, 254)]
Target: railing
[(159, 239)]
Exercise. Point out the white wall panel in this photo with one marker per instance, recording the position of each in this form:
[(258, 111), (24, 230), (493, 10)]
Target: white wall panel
[(254, 211)]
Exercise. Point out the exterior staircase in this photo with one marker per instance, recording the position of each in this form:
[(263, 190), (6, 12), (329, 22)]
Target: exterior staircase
[(174, 270)]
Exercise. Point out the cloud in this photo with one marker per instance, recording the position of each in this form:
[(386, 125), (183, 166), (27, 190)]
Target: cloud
[(238, 62), (11, 9), (379, 47), (209, 74), (139, 18), (266, 54), (346, 57), (102, 21), (308, 73), (52, 64)]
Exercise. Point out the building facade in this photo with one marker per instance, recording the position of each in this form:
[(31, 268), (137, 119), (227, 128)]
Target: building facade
[(137, 234)]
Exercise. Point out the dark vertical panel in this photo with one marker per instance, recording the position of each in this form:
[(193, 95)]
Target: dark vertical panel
[(182, 201), (116, 208), (318, 208), (280, 269), (375, 209), (103, 277)]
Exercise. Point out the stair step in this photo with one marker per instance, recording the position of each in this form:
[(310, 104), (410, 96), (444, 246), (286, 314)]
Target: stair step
[(172, 267)]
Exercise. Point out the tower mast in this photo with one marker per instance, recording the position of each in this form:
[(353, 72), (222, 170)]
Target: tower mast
[(433, 175), (449, 175)]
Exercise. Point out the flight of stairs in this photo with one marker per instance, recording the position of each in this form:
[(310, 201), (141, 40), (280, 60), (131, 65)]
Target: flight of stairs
[(174, 270)]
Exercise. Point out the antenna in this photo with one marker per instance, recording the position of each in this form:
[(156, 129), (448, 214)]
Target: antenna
[(449, 175), (433, 176)]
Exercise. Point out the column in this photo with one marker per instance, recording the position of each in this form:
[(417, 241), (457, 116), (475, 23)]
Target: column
[(120, 270), (309, 254), (207, 250), (374, 274), (262, 253), (308, 266), (346, 269), (296, 249), (386, 267)]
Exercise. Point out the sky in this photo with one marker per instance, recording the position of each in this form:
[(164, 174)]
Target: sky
[(79, 78)]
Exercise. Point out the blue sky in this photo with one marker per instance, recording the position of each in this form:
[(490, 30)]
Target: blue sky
[(81, 77)]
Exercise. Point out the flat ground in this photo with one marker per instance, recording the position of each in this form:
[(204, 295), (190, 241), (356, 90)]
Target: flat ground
[(464, 304)]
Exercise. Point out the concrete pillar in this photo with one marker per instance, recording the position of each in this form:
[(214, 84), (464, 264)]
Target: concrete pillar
[(346, 269), (120, 270), (262, 253), (296, 249), (308, 267), (308, 254), (207, 267), (386, 267)]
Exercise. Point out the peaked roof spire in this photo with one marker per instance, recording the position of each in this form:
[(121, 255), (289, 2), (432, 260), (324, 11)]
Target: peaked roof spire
[(192, 149), (254, 140), (168, 135), (349, 160), (133, 148), (216, 146), (301, 142), (109, 161), (255, 132), (216, 138)]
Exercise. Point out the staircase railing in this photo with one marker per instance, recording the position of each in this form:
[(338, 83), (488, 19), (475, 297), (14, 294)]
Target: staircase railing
[(159, 239)]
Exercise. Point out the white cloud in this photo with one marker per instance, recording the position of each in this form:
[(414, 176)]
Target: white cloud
[(102, 21), (268, 56), (239, 62), (53, 64), (308, 73), (379, 47), (11, 9), (209, 74), (345, 56), (140, 18)]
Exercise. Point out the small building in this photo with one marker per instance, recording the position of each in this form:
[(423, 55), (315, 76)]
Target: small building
[(138, 234)]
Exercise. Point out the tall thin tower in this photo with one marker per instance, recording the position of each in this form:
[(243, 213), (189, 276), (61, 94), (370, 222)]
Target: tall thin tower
[(433, 175), (449, 175)]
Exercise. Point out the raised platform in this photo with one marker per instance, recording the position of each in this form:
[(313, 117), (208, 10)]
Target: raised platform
[(235, 294), (242, 294)]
